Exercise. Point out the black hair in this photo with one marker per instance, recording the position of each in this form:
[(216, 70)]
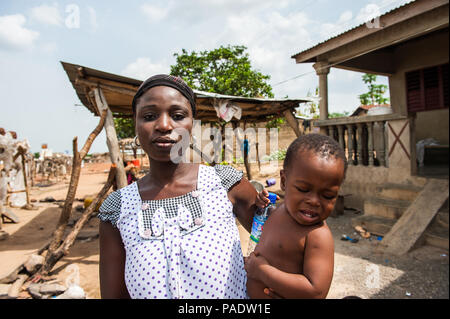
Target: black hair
[(166, 80), (320, 144)]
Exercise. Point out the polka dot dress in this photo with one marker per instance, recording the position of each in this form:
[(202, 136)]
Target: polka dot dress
[(181, 247)]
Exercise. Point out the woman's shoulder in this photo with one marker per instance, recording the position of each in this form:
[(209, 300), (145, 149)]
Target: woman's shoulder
[(112, 203), (111, 207), (228, 175)]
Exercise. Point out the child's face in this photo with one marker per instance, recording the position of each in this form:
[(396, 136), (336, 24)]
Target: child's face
[(311, 186)]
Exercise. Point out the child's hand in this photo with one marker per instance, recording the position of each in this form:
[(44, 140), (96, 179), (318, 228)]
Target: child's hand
[(262, 199), (253, 263)]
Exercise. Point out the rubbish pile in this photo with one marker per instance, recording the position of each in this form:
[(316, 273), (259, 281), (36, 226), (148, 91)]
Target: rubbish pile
[(22, 286)]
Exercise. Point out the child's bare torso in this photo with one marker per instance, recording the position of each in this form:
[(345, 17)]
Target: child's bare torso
[(282, 243)]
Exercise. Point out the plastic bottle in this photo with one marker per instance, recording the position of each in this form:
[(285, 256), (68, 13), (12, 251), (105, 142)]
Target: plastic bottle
[(259, 219)]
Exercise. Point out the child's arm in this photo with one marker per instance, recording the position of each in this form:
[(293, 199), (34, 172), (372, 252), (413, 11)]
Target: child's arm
[(317, 274), (246, 200)]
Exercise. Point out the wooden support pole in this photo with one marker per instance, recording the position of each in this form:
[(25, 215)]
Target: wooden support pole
[(257, 156), (25, 181), (63, 249), (246, 151), (74, 178), (292, 121), (111, 138)]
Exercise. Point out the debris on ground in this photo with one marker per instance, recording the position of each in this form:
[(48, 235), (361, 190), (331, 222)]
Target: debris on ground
[(73, 292), (363, 232), (33, 263), (45, 290), (270, 182), (352, 240)]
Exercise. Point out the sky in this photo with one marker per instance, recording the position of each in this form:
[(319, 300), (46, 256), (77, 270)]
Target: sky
[(139, 38)]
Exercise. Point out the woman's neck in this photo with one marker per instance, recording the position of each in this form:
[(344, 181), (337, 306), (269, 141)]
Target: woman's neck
[(166, 172)]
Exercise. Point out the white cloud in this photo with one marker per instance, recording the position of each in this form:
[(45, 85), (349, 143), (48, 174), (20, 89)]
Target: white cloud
[(14, 35), (49, 48), (93, 18), (155, 13), (346, 16), (368, 13), (143, 68), (373, 10), (48, 15), (270, 38)]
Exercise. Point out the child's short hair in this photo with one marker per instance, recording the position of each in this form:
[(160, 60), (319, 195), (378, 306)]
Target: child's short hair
[(320, 144)]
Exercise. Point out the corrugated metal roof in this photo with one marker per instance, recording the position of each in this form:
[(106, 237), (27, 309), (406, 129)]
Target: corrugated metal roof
[(203, 94), (354, 28), (119, 92)]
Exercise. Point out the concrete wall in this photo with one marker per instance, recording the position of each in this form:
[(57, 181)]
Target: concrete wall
[(363, 182), (423, 52), (285, 137), (433, 119)]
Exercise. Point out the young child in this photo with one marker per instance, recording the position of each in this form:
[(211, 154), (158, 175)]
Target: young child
[(295, 255)]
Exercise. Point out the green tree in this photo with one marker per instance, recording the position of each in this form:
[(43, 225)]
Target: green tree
[(376, 91), (226, 70), (337, 114), (124, 127)]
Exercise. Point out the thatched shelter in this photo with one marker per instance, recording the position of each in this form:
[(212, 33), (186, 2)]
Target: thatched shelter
[(98, 90)]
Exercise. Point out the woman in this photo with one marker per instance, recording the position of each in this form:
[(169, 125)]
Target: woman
[(172, 234)]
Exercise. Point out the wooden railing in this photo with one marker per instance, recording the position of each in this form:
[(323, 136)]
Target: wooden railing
[(363, 138)]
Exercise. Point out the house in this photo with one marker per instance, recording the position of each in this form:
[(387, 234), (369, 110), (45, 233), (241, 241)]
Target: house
[(401, 201), (364, 109)]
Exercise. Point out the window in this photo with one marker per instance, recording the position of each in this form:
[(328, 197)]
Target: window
[(427, 89)]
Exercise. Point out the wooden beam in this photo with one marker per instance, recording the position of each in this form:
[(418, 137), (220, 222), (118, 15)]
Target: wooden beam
[(412, 28), (292, 121), (388, 21), (103, 86), (409, 228), (111, 138)]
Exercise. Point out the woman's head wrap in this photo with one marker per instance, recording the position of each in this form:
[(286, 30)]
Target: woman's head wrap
[(166, 80)]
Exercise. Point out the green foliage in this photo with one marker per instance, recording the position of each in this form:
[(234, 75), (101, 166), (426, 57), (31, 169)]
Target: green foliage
[(275, 122), (376, 91), (276, 156), (36, 154), (336, 114), (124, 127), (226, 70)]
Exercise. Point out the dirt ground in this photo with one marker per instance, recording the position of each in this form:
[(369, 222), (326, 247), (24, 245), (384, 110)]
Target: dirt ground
[(358, 271)]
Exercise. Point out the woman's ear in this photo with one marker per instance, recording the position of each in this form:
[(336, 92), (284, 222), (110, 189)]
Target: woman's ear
[(282, 180)]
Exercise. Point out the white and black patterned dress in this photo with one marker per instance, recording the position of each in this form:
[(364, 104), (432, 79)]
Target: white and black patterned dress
[(182, 247)]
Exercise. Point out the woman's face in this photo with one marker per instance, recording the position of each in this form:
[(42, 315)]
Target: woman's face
[(159, 111)]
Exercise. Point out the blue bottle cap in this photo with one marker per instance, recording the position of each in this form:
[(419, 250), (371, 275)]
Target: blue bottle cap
[(272, 197)]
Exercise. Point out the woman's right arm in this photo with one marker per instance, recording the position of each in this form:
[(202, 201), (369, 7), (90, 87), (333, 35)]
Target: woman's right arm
[(112, 263)]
